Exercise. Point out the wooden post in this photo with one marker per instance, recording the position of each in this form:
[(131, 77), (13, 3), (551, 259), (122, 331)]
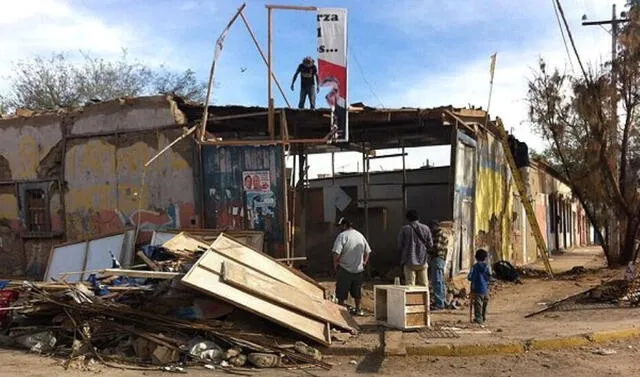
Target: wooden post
[(365, 189), (285, 184), (219, 41), (404, 182), (333, 168), (270, 119), (293, 207), (255, 41)]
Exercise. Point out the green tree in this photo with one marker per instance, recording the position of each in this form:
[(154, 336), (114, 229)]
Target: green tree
[(57, 81)]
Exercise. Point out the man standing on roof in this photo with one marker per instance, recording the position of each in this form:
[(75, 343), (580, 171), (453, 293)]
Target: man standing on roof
[(308, 80), (350, 254)]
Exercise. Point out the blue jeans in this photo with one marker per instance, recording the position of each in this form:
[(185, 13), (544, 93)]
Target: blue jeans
[(309, 91), (437, 282)]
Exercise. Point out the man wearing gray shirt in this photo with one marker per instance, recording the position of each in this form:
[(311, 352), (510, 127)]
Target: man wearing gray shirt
[(350, 254), (414, 241)]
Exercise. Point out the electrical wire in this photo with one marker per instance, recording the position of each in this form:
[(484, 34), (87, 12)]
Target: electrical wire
[(564, 40), (573, 44), (364, 78)]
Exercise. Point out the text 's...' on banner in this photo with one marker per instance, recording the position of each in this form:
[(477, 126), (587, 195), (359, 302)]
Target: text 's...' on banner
[(332, 66)]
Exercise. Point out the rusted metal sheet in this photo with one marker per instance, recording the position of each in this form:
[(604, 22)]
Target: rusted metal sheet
[(463, 203), (232, 203)]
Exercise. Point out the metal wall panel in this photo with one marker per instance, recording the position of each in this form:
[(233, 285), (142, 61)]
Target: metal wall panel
[(227, 205)]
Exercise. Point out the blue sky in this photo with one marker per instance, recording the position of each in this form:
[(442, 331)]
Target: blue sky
[(416, 53)]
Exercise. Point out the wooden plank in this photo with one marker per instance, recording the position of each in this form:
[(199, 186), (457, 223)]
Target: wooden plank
[(140, 273), (415, 298), (209, 282), (152, 265), (415, 320), (242, 254), (409, 309), (252, 238), (280, 293), (183, 241)]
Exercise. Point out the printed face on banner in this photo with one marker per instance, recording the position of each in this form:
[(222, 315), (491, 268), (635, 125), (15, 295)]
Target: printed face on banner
[(332, 66), (256, 181)]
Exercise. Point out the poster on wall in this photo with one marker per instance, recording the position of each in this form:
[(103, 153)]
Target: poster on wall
[(256, 181), (332, 67), (261, 210)]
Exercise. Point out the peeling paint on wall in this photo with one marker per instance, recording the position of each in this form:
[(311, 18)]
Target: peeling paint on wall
[(103, 182), (494, 196)]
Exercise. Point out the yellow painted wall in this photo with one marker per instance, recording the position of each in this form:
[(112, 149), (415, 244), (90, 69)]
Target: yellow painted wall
[(8, 206), (494, 200), (91, 163)]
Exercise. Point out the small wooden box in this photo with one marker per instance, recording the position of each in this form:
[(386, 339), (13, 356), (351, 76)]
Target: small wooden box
[(401, 306)]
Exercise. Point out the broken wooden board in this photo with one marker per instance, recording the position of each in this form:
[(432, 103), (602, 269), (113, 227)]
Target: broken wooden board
[(251, 238), (207, 280), (283, 294), (182, 242), (280, 293), (140, 273), (263, 263)]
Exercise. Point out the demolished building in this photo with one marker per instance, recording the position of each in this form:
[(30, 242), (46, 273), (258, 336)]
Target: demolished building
[(66, 175)]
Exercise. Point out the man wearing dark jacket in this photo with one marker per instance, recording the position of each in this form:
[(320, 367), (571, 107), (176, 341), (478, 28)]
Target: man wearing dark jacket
[(414, 241)]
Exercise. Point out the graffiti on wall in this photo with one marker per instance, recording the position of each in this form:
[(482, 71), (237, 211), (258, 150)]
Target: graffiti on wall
[(89, 222)]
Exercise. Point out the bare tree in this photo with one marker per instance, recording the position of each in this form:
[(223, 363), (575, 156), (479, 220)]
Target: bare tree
[(184, 84), (591, 123), (57, 81)]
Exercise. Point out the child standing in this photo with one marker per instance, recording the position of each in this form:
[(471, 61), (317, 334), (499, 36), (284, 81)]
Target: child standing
[(479, 277)]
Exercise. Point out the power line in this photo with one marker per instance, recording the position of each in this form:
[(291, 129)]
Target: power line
[(564, 40), (573, 44), (364, 78)]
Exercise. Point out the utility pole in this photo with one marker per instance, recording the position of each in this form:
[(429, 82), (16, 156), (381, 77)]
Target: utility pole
[(613, 230), (615, 22)]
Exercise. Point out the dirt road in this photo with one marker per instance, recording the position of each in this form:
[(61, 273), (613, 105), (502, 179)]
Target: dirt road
[(578, 362)]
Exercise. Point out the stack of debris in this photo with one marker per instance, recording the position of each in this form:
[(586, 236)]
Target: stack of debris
[(179, 311), (619, 293)]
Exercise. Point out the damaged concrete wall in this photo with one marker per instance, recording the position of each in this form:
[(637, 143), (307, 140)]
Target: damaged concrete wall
[(26, 146), (101, 150), (105, 184)]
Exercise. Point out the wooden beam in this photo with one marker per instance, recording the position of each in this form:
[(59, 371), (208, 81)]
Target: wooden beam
[(140, 274), (291, 7), (285, 295), (205, 279), (263, 263), (152, 265)]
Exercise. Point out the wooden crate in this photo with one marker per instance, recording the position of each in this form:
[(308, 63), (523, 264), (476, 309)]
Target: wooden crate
[(401, 306)]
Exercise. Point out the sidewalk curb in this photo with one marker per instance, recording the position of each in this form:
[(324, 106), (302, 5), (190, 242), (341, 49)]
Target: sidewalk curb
[(507, 348), (598, 337)]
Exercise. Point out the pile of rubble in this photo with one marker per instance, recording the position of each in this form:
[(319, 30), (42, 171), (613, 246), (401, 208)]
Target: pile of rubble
[(191, 304), (617, 293)]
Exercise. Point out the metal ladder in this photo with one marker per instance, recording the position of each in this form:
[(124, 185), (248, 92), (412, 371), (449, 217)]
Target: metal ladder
[(528, 208)]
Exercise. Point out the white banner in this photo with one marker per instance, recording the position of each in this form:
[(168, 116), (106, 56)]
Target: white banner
[(332, 66)]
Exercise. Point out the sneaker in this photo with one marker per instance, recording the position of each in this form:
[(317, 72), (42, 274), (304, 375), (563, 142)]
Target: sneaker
[(358, 312)]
